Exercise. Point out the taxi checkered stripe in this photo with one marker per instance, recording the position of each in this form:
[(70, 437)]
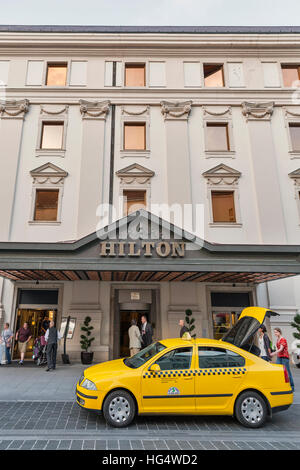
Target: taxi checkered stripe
[(195, 372)]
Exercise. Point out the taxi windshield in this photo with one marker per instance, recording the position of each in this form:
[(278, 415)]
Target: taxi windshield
[(144, 355)]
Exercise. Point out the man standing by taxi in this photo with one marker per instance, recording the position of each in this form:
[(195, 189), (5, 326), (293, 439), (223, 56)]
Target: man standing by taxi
[(52, 336), (146, 331)]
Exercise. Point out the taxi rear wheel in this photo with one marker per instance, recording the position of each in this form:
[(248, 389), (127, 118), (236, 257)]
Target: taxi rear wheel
[(251, 409), (119, 408)]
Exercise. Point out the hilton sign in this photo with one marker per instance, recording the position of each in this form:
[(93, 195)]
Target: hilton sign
[(162, 249)]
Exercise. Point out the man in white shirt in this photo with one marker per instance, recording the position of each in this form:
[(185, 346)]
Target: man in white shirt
[(52, 336)]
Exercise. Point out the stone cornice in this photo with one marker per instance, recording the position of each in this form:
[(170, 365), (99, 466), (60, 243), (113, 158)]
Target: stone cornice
[(258, 111), (94, 109), (12, 109), (176, 110)]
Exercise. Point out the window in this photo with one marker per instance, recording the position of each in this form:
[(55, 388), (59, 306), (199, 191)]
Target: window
[(290, 74), (217, 136), (46, 204), (223, 206), (176, 359), (217, 357), (134, 136), (295, 136), (213, 75), (135, 75), (144, 355), (56, 74), (134, 200), (52, 135)]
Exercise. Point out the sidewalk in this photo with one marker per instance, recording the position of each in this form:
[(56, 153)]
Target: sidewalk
[(30, 382)]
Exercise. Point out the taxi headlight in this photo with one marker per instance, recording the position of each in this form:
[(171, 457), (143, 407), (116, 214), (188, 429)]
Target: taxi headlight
[(89, 385)]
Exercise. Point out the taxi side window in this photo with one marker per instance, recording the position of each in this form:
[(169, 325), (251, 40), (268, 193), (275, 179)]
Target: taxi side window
[(176, 359), (210, 357)]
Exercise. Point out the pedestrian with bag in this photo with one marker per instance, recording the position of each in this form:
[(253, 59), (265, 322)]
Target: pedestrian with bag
[(7, 336), (135, 339), (282, 353), (183, 328), (52, 336), (264, 344)]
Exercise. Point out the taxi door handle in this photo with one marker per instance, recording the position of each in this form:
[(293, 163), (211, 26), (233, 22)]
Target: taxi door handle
[(188, 378), (236, 376)]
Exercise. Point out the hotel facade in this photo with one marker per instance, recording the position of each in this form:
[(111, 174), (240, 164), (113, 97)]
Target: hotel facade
[(115, 143)]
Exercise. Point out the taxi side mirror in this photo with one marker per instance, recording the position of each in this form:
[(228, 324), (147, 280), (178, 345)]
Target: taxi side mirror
[(154, 368)]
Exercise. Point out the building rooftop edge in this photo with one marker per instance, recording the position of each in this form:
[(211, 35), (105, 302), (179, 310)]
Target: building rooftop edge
[(151, 29)]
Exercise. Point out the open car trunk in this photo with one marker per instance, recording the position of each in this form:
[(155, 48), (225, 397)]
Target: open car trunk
[(243, 332)]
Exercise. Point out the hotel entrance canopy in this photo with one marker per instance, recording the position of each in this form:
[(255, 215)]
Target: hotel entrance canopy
[(130, 250)]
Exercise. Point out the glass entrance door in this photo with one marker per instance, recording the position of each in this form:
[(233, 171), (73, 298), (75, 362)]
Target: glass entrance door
[(38, 322), (125, 322)]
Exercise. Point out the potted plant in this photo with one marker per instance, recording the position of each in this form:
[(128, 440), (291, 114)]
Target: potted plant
[(190, 322), (86, 341)]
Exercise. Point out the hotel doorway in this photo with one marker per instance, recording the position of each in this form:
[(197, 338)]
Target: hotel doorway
[(38, 322), (125, 322)]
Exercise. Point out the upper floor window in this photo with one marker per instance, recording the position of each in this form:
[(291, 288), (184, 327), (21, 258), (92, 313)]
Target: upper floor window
[(213, 75), (217, 136), (223, 207), (134, 136), (46, 204), (56, 74), (290, 74), (134, 200), (52, 135), (135, 75), (295, 136)]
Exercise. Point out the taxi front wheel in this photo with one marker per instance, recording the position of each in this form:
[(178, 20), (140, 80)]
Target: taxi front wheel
[(119, 408), (251, 410)]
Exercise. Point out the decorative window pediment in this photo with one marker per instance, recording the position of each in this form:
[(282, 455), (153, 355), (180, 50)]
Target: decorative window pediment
[(135, 173), (222, 174), (48, 173), (295, 175)]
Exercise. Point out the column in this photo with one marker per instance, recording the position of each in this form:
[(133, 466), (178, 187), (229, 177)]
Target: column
[(176, 116), (12, 114), (265, 172), (91, 170)]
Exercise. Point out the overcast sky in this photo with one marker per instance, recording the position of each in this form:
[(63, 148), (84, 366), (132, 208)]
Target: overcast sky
[(151, 12)]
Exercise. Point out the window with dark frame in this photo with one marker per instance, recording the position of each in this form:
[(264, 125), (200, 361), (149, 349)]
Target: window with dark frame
[(56, 74), (213, 75), (294, 129), (223, 207), (135, 75), (217, 136), (46, 205), (211, 357), (290, 74), (134, 136), (134, 200), (52, 135)]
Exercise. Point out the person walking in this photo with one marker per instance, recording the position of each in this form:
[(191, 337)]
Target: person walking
[(264, 343), (2, 350), (283, 354), (135, 339), (7, 336), (183, 328), (146, 331), (23, 336), (52, 336)]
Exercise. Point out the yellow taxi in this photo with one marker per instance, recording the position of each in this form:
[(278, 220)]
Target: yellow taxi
[(194, 376)]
